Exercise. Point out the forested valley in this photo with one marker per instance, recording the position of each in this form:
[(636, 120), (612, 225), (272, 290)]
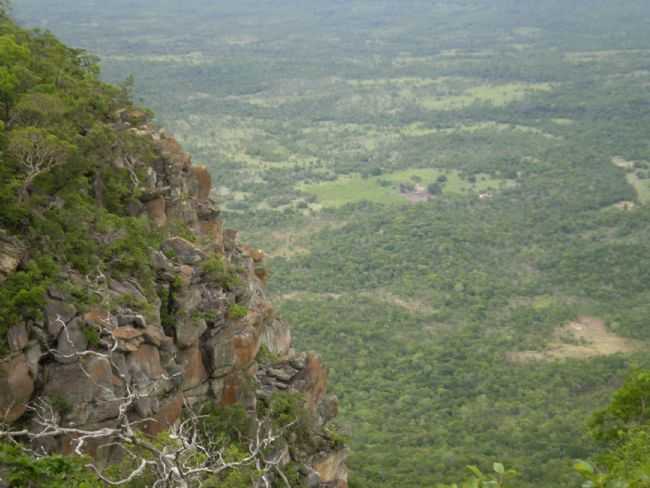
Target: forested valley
[(454, 197)]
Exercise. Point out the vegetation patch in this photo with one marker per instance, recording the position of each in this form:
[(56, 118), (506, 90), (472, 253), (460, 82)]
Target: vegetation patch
[(584, 338), (497, 95), (395, 188)]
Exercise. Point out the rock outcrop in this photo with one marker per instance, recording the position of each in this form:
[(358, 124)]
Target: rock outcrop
[(192, 334)]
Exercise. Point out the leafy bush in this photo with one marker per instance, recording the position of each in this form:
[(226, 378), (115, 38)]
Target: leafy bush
[(22, 295), (236, 312), (22, 471), (497, 479), (216, 270), (92, 335), (225, 424), (264, 356), (60, 404)]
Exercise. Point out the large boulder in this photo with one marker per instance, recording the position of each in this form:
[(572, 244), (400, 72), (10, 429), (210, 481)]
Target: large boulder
[(232, 348), (183, 250), (189, 330), (246, 344), (84, 390), (276, 336), (57, 314), (194, 372), (72, 341), (130, 289), (18, 337), (148, 376), (12, 252), (144, 364), (189, 325), (213, 231), (331, 468), (169, 412), (129, 339), (16, 388), (312, 381), (202, 183), (157, 211)]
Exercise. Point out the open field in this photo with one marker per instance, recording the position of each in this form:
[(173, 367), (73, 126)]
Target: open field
[(386, 188), (582, 339)]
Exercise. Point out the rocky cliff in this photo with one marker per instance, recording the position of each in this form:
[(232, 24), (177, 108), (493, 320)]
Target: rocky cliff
[(195, 329)]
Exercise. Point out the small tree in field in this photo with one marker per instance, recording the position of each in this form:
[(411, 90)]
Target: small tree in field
[(36, 151)]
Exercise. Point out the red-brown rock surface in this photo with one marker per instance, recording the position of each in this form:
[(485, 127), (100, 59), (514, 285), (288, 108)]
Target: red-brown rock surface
[(170, 336)]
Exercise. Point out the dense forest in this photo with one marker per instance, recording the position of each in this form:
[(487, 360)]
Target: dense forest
[(454, 199)]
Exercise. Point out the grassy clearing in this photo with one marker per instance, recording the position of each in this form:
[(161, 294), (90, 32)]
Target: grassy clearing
[(579, 57), (585, 338), (563, 121), (642, 187), (497, 95), (420, 130), (399, 82), (351, 189)]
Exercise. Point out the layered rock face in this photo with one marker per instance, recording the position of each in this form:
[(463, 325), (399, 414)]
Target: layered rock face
[(192, 334)]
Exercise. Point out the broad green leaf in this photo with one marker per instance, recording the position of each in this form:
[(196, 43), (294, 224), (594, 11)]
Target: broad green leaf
[(476, 472), (583, 467)]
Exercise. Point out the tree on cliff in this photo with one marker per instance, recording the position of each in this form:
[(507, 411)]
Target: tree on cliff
[(36, 151), (13, 70)]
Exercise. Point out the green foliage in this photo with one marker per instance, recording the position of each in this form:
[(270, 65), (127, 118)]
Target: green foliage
[(22, 295), (22, 471), (226, 424), (285, 408), (129, 255), (236, 311), (60, 405), (266, 357), (628, 464), (236, 478), (628, 410), (497, 479), (92, 335), (287, 412), (219, 272), (36, 151), (59, 188), (292, 473), (13, 60), (38, 109), (623, 429)]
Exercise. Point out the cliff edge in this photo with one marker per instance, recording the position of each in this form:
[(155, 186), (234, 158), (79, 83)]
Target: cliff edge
[(128, 309)]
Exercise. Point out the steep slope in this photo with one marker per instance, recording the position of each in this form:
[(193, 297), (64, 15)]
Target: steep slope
[(127, 309)]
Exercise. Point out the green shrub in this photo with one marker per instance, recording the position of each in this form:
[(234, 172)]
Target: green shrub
[(21, 470), (60, 405), (92, 335), (288, 409), (236, 312), (264, 356), (216, 270), (226, 424), (22, 295)]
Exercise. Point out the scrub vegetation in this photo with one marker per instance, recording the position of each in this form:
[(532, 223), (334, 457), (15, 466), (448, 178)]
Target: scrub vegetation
[(484, 163)]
